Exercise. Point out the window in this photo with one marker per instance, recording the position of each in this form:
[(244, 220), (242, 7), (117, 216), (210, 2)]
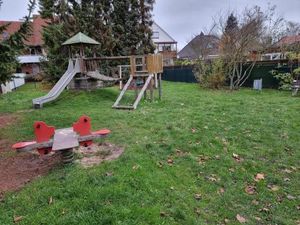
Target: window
[(167, 48), (160, 48), (155, 35)]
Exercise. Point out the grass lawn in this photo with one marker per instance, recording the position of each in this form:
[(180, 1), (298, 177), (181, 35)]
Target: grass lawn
[(217, 140)]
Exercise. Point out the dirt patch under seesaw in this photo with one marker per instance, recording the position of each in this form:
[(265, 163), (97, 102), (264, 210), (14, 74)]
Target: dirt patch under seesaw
[(97, 153), (18, 169)]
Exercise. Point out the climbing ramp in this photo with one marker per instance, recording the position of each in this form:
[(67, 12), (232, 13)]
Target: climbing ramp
[(140, 95)]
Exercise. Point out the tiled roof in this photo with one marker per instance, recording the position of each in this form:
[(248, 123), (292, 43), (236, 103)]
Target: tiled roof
[(12, 28), (207, 43), (35, 38), (288, 40)]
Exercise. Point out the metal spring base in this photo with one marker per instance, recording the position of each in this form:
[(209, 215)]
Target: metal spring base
[(67, 156)]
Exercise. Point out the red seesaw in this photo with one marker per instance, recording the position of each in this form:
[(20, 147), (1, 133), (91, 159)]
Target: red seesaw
[(61, 140)]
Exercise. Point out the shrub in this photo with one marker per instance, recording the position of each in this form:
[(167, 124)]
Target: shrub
[(210, 74), (286, 79)]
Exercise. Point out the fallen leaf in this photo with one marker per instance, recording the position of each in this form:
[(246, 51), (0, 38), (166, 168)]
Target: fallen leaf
[(170, 161), (163, 214), (287, 171), (264, 210), (240, 218), (50, 200), (280, 198), (198, 196), (273, 187), (135, 167), (226, 221), (197, 211), (159, 164), (290, 197), (213, 178), (221, 190), (257, 218), (259, 177), (202, 159), (194, 130), (255, 202), (294, 168), (179, 152), (17, 219), (236, 157), (109, 174), (250, 189), (225, 142), (231, 170)]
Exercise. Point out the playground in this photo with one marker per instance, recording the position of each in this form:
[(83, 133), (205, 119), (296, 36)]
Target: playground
[(191, 158)]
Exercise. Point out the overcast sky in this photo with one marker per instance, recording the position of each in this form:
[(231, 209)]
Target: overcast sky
[(182, 18)]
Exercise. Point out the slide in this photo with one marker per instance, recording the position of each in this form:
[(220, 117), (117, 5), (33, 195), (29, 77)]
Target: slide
[(59, 86)]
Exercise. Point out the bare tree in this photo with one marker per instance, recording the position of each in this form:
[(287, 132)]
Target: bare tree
[(292, 28), (243, 38)]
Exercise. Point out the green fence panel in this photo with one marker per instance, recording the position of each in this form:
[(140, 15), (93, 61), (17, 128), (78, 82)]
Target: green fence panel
[(262, 70)]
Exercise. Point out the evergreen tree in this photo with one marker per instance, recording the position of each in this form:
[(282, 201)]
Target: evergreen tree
[(146, 7), (122, 27), (231, 25), (12, 47), (229, 37), (54, 34)]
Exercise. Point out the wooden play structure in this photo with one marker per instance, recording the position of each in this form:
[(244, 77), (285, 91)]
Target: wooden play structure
[(143, 74), (63, 141)]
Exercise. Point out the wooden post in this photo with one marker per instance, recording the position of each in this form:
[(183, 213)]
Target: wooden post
[(120, 76), (136, 88), (160, 87), (145, 94), (156, 81), (151, 89), (133, 65)]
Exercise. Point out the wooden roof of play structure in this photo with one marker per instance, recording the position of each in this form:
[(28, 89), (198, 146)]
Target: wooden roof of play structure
[(81, 38)]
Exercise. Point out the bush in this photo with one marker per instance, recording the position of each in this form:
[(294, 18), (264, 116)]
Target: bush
[(33, 78), (210, 74), (286, 79)]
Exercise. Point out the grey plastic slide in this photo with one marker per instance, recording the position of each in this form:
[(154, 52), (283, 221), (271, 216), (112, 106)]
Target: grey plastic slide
[(59, 86)]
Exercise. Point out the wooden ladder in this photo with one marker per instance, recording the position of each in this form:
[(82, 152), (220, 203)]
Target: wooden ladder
[(139, 97)]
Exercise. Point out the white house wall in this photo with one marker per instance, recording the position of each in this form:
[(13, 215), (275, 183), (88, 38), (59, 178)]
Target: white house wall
[(16, 82), (163, 35)]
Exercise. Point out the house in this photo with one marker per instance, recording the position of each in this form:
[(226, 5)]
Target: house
[(279, 49), (201, 46), (165, 44), (33, 54), (288, 42)]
